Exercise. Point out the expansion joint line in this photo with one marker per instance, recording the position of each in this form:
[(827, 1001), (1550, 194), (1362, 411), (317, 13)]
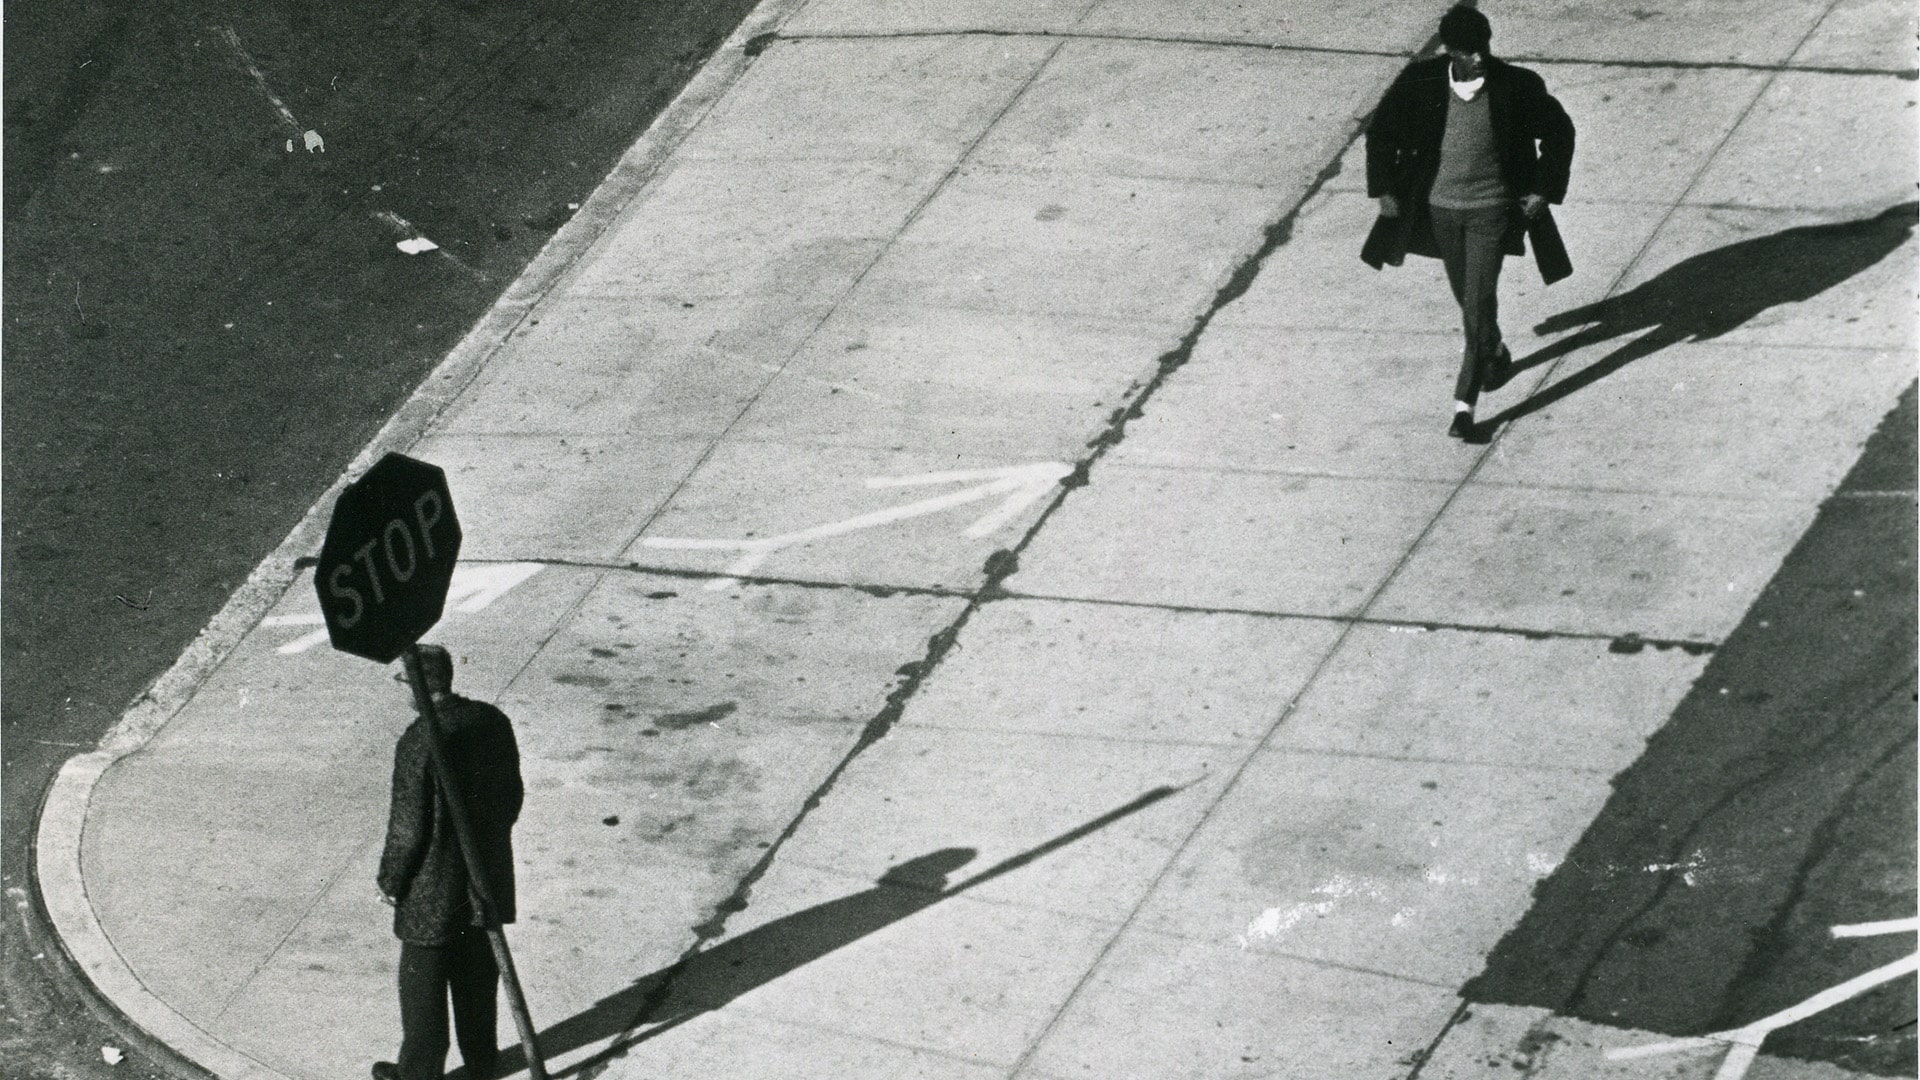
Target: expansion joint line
[(1080, 35), (755, 47), (762, 42), (1238, 283), (913, 674)]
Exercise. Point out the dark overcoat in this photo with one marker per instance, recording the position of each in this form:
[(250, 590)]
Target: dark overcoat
[(422, 868), (1532, 134)]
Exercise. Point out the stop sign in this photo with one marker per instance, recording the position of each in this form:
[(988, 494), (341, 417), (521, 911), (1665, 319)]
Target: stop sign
[(388, 558)]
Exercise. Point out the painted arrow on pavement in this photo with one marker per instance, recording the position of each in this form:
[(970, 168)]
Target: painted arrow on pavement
[(1022, 486), (473, 588)]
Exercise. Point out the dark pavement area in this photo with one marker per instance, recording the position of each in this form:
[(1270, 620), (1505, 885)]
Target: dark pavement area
[(202, 327), (1776, 803)]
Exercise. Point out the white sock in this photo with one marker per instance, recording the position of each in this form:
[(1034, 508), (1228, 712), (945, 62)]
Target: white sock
[(1462, 407)]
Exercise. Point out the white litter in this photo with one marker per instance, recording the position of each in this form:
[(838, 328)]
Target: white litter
[(111, 1055), (418, 245)]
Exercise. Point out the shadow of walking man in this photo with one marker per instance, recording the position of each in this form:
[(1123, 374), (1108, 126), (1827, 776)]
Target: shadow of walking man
[(708, 979), (1705, 296)]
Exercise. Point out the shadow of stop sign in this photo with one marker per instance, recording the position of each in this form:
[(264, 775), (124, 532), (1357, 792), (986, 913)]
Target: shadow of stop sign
[(388, 558)]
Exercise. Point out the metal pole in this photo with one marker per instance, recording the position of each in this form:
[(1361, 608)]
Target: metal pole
[(476, 879)]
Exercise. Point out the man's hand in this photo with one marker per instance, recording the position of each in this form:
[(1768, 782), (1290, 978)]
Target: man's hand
[(1389, 206), (1532, 205)]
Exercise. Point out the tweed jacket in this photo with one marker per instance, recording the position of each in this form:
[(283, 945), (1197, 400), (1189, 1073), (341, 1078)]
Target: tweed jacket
[(1533, 137), (422, 867)]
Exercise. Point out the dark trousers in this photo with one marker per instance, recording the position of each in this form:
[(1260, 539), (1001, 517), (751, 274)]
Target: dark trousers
[(1470, 247), (461, 970)]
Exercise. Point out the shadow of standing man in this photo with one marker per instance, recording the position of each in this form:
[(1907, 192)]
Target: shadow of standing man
[(708, 979)]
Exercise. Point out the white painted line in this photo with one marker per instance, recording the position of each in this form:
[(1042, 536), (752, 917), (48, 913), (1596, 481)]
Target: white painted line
[(1737, 1061), (303, 643), (1021, 484), (1745, 1041), (1874, 929), (309, 137)]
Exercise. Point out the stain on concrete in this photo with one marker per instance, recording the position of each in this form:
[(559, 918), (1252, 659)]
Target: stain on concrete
[(577, 678), (680, 721)]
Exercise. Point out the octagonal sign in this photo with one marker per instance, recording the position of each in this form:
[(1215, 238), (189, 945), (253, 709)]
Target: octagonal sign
[(388, 558)]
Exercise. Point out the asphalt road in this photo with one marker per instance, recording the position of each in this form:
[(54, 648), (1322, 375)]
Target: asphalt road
[(1777, 802), (203, 326)]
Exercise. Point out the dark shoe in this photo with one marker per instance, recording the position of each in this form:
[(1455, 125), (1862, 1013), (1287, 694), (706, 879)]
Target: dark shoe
[(1462, 426), (483, 1068), (386, 1070), (1501, 370)]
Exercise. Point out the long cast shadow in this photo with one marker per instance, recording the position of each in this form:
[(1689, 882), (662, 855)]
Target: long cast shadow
[(707, 980), (1711, 293)]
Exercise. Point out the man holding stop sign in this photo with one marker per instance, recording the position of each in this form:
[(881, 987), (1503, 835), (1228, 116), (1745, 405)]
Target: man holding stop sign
[(447, 868), (444, 951)]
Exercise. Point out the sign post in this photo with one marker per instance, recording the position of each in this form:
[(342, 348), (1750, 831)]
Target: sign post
[(382, 578)]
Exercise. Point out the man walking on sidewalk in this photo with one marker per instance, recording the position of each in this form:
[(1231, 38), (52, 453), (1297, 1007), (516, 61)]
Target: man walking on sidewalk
[(444, 949), (1464, 154)]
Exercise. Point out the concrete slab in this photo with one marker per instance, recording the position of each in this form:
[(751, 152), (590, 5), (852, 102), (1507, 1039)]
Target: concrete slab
[(909, 534), (1192, 112), (721, 229), (1100, 671), (1500, 1040), (632, 367), (1073, 245), (1488, 699), (1293, 290), (613, 903), (1644, 134), (580, 497), (1351, 24), (1691, 31), (1819, 141), (342, 954), (643, 651), (196, 896), (960, 977), (1582, 561), (869, 17), (1329, 402), (1755, 277), (934, 789), (1864, 33), (1659, 424), (1239, 541), (973, 383), (667, 732), (1178, 1009), (733, 1043), (1411, 869), (872, 100)]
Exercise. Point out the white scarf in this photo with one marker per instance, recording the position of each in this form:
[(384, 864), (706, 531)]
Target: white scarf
[(1465, 91)]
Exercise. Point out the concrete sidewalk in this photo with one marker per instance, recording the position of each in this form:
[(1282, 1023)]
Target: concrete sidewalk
[(955, 426)]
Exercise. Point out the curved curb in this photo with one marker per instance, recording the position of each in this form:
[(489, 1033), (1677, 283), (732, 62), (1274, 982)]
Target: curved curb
[(57, 867)]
